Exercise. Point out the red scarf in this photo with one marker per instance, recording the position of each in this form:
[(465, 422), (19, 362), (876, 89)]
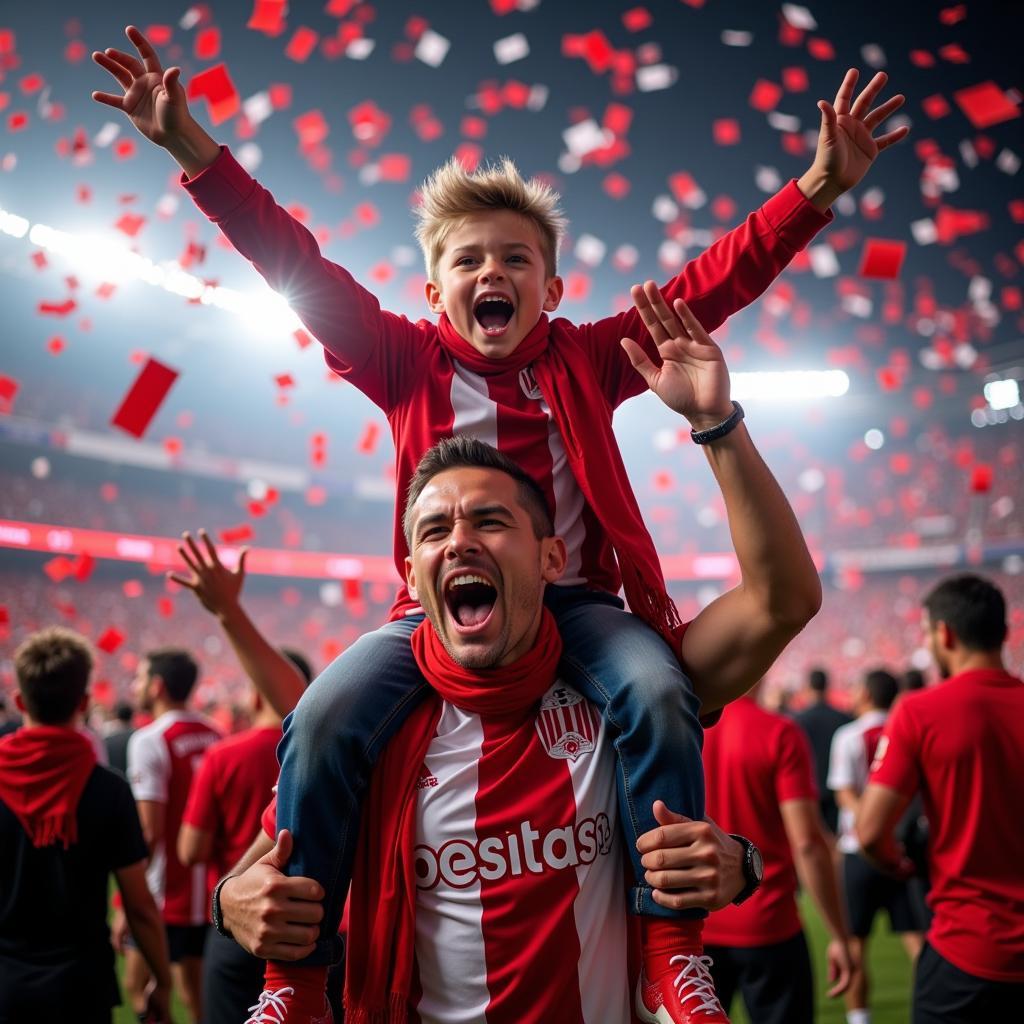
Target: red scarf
[(43, 771), (382, 903), (583, 417)]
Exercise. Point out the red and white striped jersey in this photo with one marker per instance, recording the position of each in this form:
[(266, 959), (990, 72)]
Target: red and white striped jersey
[(520, 901), (849, 763), (162, 758)]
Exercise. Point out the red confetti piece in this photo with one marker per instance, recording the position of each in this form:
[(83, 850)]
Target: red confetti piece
[(173, 446), (394, 167), (268, 17), (57, 308), (56, 345), (765, 95), (207, 43), (821, 49), (132, 588), (75, 51), (311, 128), (17, 121), (637, 19), (952, 15), (726, 131), (110, 640), (8, 392), (130, 224), (165, 607), (106, 290), (985, 104), (32, 83), (616, 185), (794, 79), (921, 59), (144, 398), (935, 106), (158, 35), (371, 435), (59, 568), (7, 43), (882, 259), (954, 53), (124, 149), (236, 534), (981, 478), (215, 86), (284, 380), (302, 339), (39, 259), (301, 44)]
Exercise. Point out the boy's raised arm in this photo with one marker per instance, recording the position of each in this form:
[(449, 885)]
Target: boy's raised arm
[(741, 265), (373, 349)]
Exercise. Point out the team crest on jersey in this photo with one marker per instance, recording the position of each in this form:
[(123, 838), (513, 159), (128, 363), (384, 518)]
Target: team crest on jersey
[(426, 779), (528, 382), (567, 725)]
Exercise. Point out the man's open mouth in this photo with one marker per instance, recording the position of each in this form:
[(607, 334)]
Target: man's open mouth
[(493, 313), (470, 599)]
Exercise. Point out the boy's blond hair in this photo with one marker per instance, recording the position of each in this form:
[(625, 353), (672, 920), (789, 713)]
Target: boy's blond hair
[(452, 193)]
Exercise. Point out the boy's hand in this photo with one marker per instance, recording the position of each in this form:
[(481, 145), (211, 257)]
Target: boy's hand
[(693, 378), (216, 586), (153, 98), (847, 146)]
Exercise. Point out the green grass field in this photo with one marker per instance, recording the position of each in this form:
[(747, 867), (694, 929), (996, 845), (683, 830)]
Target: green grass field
[(890, 978)]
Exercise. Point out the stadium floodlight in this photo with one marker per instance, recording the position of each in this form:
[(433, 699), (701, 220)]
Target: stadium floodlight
[(790, 384), (1002, 394), (12, 224)]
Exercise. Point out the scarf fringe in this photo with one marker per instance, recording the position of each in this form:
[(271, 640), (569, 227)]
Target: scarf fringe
[(55, 828), (654, 605), (396, 1012)]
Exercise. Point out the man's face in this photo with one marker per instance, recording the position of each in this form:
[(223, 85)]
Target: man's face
[(477, 567), (933, 635), (142, 695), (492, 281)]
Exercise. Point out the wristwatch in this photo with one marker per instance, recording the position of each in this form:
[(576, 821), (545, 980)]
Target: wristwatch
[(216, 914), (753, 869)]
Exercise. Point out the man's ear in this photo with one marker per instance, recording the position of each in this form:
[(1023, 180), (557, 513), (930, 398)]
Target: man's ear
[(83, 704), (435, 300), (19, 702), (410, 578), (553, 293), (947, 638), (553, 558)]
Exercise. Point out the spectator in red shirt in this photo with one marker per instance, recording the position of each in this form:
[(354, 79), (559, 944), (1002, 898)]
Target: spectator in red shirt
[(760, 783), (238, 774), (962, 745)]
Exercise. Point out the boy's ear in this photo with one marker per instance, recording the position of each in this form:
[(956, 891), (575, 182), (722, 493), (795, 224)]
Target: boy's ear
[(435, 300), (553, 294)]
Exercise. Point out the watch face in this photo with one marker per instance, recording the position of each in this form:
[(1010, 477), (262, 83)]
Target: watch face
[(757, 863)]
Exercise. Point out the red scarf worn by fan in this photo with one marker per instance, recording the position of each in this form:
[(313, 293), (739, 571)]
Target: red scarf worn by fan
[(43, 771), (382, 903), (570, 388)]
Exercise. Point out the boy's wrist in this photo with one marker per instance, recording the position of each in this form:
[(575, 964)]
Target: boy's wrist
[(818, 188), (192, 148)]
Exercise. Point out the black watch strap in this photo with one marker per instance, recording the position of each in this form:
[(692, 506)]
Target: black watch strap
[(727, 426), (753, 869), (216, 913)]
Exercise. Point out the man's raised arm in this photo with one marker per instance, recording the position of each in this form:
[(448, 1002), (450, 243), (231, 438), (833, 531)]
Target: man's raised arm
[(735, 639)]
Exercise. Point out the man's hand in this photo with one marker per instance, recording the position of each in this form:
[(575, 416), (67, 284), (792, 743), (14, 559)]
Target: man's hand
[(271, 915), (690, 864), (693, 378), (840, 967), (847, 146), (153, 99), (158, 1005), (217, 587), (119, 930)]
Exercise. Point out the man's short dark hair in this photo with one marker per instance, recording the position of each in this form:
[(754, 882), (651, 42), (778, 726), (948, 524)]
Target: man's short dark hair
[(462, 452), (300, 661), (972, 607), (882, 687), (124, 712), (913, 679), (177, 668), (53, 668), (818, 680)]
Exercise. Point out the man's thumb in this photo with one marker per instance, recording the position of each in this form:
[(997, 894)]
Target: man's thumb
[(664, 816), (282, 851)]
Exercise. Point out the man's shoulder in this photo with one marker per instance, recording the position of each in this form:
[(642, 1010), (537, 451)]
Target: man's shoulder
[(240, 744)]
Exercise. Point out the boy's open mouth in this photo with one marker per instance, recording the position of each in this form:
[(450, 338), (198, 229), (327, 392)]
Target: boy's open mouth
[(470, 600), (493, 312)]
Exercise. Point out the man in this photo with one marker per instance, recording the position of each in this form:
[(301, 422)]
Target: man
[(867, 890), (162, 758), (66, 823), (115, 740), (819, 721), (227, 795), (761, 784), (961, 744)]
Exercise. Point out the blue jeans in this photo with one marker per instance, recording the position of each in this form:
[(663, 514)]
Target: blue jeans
[(351, 710)]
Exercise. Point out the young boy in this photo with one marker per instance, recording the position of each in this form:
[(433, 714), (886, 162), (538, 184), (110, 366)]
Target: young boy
[(543, 393)]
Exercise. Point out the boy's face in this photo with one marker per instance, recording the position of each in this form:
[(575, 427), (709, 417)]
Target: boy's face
[(492, 281)]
